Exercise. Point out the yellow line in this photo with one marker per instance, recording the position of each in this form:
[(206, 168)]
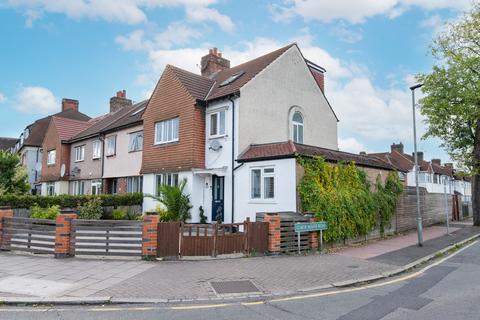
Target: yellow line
[(206, 306), (105, 309)]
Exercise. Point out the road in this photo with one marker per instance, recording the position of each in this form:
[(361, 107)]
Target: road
[(448, 289)]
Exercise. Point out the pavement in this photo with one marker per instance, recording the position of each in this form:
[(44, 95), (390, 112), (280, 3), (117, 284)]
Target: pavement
[(39, 279)]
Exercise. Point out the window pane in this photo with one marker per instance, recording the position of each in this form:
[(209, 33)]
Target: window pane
[(297, 117), (175, 129), (300, 134), (295, 133), (175, 179), (159, 184), (170, 130), (222, 122), (140, 141), (213, 124), (256, 182), (269, 186)]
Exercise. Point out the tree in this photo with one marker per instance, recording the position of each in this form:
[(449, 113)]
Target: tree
[(13, 177), (452, 101), (175, 201)]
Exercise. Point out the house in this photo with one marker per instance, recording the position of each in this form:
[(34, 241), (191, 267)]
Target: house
[(29, 145), (197, 126), (100, 154), (7, 144), (56, 154)]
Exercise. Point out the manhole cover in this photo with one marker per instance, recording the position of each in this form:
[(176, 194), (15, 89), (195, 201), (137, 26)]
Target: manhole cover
[(242, 286)]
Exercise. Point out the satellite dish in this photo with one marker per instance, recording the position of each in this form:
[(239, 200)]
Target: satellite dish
[(38, 166), (215, 145), (62, 170)]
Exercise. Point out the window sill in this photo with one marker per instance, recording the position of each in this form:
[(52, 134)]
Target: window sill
[(160, 144), (217, 137), (76, 161), (111, 155), (259, 201), (96, 158), (135, 151)]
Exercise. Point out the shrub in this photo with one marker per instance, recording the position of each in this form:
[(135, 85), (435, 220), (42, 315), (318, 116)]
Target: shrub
[(92, 210), (203, 217), (176, 204), (44, 213), (119, 214)]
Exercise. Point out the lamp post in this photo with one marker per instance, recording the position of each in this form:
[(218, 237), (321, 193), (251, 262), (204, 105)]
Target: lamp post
[(445, 181), (419, 216)]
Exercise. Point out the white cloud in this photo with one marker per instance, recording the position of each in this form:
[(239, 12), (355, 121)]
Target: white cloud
[(176, 33), (357, 11), (36, 100), (133, 41), (345, 34), (201, 14), (2, 97), (351, 145)]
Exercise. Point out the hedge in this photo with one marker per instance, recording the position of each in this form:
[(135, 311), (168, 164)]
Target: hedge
[(69, 201)]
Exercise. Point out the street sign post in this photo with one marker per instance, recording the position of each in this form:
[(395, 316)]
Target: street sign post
[(308, 227)]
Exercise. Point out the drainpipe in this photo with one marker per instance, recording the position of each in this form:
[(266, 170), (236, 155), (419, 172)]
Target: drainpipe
[(102, 140), (233, 158)]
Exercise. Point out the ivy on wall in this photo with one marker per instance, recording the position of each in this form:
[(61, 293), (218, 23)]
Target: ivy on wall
[(342, 196)]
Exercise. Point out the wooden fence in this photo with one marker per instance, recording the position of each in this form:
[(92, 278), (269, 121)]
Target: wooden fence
[(106, 238), (30, 235), (211, 239)]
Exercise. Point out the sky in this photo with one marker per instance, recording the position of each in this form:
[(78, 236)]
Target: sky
[(90, 49)]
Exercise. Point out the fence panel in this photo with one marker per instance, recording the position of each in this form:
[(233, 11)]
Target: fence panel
[(29, 235), (257, 233), (168, 239), (197, 239), (230, 238), (288, 236), (107, 237)]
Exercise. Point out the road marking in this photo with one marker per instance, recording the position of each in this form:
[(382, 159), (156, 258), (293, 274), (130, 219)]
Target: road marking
[(205, 306)]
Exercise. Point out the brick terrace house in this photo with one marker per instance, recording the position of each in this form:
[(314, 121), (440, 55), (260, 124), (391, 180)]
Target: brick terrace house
[(197, 126)]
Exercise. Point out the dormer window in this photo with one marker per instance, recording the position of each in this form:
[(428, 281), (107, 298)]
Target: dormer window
[(297, 123)]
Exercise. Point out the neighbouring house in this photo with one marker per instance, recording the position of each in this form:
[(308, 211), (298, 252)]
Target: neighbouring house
[(7, 144), (196, 126), (29, 145), (56, 154)]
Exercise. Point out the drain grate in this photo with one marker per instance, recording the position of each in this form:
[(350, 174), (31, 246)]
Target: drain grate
[(226, 287)]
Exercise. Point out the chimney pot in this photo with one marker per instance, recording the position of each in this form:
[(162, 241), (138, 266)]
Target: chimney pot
[(213, 62), (215, 51), (69, 104), (398, 147), (363, 153), (119, 101)]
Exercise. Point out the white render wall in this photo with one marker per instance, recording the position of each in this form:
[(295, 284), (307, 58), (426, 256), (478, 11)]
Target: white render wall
[(124, 163), (269, 100), (285, 189), (31, 154)]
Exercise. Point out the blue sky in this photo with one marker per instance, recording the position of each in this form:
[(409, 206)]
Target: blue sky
[(87, 50)]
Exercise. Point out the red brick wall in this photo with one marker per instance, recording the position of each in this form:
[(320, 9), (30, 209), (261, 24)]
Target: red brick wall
[(169, 100), (50, 142)]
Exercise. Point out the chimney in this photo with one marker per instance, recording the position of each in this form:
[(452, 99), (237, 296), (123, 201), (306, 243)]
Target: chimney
[(419, 156), (448, 165), (438, 162), (213, 62), (397, 147), (119, 101), (363, 153), (69, 104)]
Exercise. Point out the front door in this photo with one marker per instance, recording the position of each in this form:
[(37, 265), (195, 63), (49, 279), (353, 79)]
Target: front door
[(217, 198)]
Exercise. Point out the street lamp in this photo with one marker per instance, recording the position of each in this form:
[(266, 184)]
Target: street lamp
[(419, 216)]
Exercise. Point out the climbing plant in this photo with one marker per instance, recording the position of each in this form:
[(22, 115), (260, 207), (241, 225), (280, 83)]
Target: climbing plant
[(342, 196)]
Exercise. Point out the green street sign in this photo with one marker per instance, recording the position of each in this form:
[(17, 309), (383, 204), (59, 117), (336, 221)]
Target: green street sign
[(311, 226)]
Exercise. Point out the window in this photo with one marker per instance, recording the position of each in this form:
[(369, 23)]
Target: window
[(96, 149), (51, 155), (78, 187), (79, 153), (217, 124), (297, 122), (96, 187), (50, 188), (111, 142), (113, 186), (262, 183), (401, 176), (136, 141), (134, 184), (169, 179), (166, 131)]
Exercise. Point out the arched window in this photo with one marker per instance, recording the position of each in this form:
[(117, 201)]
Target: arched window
[(297, 122)]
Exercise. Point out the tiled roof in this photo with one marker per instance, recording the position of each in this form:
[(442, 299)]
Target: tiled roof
[(251, 69), (442, 170), (39, 127), (195, 84), (395, 159), (134, 115), (67, 128), (288, 149), (7, 143)]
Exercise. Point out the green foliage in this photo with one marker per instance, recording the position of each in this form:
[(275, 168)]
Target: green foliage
[(340, 195), (119, 214), (51, 213), (69, 201), (203, 217), (13, 177), (175, 204), (92, 210)]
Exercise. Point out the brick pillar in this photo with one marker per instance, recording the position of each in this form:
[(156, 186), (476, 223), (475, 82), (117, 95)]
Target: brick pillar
[(150, 236), (273, 232), (313, 237), (63, 232), (4, 213)]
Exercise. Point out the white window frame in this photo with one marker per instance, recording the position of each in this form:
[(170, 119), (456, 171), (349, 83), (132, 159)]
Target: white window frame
[(109, 152), (78, 187), (295, 128), (134, 184), (263, 175), (51, 157), (80, 153), (50, 188), (163, 128), (96, 149), (218, 123), (170, 178), (97, 183), (135, 141)]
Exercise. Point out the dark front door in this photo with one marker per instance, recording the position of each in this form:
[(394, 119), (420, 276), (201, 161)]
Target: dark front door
[(217, 198)]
